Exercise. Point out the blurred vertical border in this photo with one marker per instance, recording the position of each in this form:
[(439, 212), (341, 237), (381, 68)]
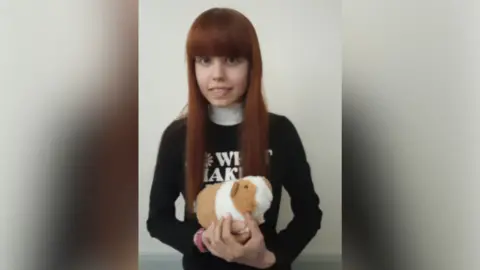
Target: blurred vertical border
[(69, 80)]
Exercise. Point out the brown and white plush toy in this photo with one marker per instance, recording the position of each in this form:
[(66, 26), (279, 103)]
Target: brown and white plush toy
[(251, 194)]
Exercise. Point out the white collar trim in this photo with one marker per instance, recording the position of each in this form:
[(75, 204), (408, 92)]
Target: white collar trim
[(226, 116)]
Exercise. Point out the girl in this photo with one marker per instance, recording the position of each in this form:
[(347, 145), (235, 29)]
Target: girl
[(228, 133)]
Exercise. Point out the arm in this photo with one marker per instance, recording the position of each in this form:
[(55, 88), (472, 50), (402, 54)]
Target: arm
[(307, 215), (162, 223)]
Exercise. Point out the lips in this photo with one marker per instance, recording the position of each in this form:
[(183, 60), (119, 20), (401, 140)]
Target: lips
[(222, 88), (220, 91)]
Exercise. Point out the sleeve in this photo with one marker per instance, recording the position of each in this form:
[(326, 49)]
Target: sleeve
[(304, 201), (162, 223)]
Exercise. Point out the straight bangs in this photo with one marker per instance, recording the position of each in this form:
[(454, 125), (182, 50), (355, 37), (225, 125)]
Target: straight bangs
[(219, 34)]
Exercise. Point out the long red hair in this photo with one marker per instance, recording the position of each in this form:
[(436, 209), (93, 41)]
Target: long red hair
[(225, 32)]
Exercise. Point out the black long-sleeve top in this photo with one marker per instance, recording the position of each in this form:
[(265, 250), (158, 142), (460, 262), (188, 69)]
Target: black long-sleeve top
[(289, 168)]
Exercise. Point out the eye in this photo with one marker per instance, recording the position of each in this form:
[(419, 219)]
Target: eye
[(203, 60), (233, 60), (246, 186)]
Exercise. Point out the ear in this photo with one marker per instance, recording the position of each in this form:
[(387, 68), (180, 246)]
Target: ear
[(234, 190)]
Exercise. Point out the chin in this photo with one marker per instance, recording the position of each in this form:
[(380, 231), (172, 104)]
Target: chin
[(221, 103)]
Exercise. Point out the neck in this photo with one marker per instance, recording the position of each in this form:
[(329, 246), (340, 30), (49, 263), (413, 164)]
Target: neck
[(226, 116)]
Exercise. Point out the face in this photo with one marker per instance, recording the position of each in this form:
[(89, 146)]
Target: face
[(222, 80)]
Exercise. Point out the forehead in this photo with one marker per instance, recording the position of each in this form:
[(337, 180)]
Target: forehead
[(222, 34), (218, 57)]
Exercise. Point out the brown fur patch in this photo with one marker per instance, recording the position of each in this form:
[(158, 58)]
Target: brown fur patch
[(244, 196), (206, 205), (244, 200)]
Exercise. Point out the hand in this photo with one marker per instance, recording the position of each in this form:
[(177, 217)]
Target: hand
[(220, 241), (255, 253), (240, 231), (239, 227)]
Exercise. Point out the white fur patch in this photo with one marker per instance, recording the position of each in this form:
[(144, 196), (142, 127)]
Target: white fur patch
[(263, 197), (224, 203)]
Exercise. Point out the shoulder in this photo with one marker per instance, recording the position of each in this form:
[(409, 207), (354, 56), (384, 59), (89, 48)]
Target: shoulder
[(175, 130), (283, 131), (284, 136), (280, 123)]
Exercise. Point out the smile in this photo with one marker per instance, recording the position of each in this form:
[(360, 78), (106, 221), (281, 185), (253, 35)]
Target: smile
[(220, 88), (218, 92)]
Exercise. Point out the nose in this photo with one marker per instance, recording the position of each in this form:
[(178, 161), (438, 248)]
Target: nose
[(218, 71)]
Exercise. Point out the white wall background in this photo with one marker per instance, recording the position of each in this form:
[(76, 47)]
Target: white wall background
[(301, 49)]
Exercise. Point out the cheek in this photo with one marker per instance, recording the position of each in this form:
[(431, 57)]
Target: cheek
[(201, 75), (240, 79)]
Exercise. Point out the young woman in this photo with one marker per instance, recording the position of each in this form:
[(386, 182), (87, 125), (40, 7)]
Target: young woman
[(228, 133)]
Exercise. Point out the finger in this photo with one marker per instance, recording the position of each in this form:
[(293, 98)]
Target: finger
[(242, 238), (218, 231), (212, 225), (252, 224), (208, 231), (230, 239), (238, 226), (213, 246), (226, 230), (248, 217), (207, 243), (212, 249), (206, 237)]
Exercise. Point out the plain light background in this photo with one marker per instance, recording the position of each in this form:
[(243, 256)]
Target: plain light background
[(301, 51)]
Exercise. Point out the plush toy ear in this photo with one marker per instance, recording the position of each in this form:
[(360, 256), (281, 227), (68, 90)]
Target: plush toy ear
[(234, 190)]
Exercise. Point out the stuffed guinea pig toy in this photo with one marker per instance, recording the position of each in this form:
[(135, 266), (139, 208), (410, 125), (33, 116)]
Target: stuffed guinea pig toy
[(248, 194)]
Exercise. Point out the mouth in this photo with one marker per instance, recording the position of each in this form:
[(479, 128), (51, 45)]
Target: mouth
[(220, 91), (220, 88)]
